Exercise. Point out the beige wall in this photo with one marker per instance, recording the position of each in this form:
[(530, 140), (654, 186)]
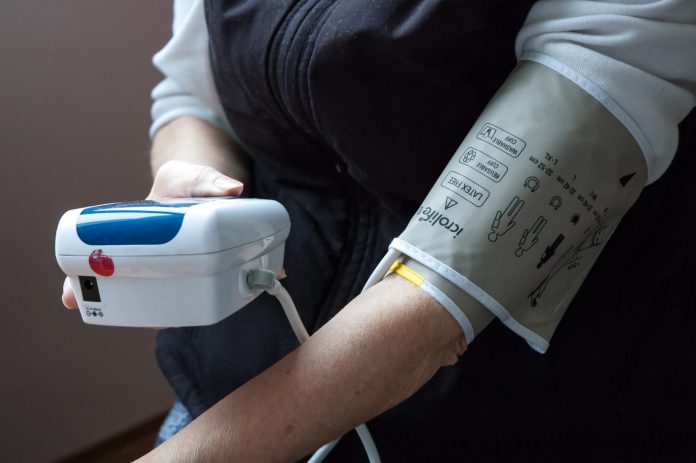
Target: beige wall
[(74, 83)]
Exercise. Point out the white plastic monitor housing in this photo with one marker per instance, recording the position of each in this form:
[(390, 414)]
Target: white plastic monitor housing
[(169, 263)]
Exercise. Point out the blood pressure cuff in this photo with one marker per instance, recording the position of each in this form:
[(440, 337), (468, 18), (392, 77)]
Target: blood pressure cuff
[(521, 212)]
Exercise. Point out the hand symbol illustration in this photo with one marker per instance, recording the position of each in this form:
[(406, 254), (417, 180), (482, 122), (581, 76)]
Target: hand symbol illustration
[(526, 242), (505, 220)]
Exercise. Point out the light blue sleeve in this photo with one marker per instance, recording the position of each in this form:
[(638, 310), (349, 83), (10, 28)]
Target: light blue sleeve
[(188, 88), (637, 54)]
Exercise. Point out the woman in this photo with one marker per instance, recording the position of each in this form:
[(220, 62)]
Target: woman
[(347, 112)]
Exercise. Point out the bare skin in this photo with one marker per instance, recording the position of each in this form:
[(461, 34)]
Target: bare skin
[(379, 350), (375, 353), (192, 140)]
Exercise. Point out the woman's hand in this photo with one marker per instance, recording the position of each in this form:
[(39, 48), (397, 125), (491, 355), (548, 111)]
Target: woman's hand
[(179, 179)]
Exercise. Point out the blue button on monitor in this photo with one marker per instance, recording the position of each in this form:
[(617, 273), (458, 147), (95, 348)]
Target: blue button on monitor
[(132, 223)]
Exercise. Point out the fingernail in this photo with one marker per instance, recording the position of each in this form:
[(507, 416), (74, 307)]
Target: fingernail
[(226, 183)]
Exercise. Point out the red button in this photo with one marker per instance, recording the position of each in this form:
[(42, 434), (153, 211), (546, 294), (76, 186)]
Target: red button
[(100, 263)]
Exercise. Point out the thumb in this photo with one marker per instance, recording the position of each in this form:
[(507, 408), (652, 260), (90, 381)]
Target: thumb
[(215, 184), (69, 300), (178, 179)]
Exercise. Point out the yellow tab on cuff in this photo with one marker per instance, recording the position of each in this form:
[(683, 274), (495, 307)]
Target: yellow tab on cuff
[(406, 272)]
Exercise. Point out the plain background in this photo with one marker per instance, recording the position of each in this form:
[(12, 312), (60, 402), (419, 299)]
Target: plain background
[(75, 77)]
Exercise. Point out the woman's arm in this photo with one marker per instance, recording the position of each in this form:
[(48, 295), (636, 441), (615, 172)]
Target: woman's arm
[(374, 354), (379, 350), (194, 140)]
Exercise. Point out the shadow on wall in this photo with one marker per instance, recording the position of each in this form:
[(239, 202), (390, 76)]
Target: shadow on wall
[(75, 84)]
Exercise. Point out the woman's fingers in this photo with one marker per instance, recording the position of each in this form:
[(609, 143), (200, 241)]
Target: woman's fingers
[(179, 179), (69, 300)]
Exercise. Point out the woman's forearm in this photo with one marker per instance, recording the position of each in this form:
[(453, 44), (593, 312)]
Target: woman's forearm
[(375, 353), (196, 141)]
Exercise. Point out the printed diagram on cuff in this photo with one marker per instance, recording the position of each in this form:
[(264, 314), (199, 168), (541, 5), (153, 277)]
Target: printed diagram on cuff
[(504, 221)]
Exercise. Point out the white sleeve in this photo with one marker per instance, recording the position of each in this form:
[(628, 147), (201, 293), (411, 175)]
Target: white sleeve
[(188, 88), (635, 56)]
